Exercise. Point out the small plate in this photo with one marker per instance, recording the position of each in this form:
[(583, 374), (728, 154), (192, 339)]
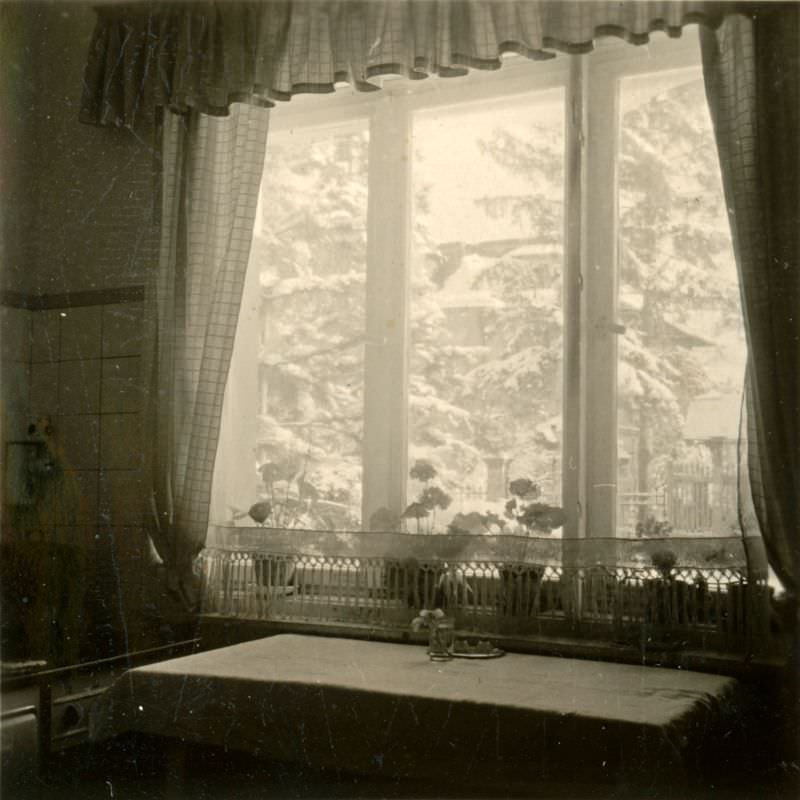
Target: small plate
[(495, 652)]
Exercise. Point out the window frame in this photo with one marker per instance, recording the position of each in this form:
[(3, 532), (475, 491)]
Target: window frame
[(601, 74), (589, 303)]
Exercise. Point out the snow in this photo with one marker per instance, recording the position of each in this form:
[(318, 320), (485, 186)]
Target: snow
[(433, 404), (713, 415), (481, 298), (530, 251), (447, 140), (307, 281), (471, 269), (550, 431)]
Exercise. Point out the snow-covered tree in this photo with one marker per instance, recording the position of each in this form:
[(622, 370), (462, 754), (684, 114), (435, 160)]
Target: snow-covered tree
[(310, 253), (676, 271), (486, 354), (677, 274), (486, 316)]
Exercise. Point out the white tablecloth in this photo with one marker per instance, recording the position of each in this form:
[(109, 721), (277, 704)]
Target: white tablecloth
[(385, 708)]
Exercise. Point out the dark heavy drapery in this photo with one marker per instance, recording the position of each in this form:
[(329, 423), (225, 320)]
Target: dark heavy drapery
[(207, 55), (752, 73)]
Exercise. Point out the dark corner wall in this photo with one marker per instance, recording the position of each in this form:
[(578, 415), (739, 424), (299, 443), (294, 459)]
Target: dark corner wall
[(76, 199), (78, 242)]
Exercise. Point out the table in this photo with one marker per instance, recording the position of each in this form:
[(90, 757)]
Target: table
[(385, 709)]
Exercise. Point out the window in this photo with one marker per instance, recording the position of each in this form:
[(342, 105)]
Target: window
[(521, 274), (309, 251), (682, 357)]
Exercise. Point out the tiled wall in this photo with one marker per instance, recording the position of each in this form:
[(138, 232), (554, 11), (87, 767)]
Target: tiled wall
[(80, 221), (85, 374), (81, 367)]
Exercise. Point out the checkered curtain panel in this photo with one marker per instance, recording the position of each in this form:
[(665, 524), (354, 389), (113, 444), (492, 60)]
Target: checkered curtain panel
[(212, 169), (752, 74), (206, 55)]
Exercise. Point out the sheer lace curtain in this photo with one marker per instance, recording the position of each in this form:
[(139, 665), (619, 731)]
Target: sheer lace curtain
[(212, 169)]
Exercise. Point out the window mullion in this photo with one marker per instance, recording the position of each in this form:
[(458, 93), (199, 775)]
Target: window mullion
[(600, 287), (386, 353), (574, 266)]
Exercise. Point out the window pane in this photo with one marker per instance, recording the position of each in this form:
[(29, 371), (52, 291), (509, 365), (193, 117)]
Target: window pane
[(681, 360), (310, 255), (486, 314)]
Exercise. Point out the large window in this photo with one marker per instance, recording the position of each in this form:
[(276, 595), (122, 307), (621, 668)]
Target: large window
[(521, 278)]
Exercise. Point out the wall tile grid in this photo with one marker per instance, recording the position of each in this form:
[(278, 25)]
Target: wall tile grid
[(81, 367)]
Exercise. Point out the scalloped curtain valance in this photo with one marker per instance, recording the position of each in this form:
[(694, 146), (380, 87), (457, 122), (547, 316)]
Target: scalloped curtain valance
[(205, 56)]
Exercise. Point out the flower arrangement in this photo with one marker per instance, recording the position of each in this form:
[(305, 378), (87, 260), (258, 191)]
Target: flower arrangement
[(664, 561), (430, 498), (529, 515), (428, 618), (290, 500), (473, 522), (385, 520), (423, 471), (286, 500), (525, 513), (441, 634)]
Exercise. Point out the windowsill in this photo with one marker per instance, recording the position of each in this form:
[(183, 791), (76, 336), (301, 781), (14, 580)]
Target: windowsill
[(612, 599)]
